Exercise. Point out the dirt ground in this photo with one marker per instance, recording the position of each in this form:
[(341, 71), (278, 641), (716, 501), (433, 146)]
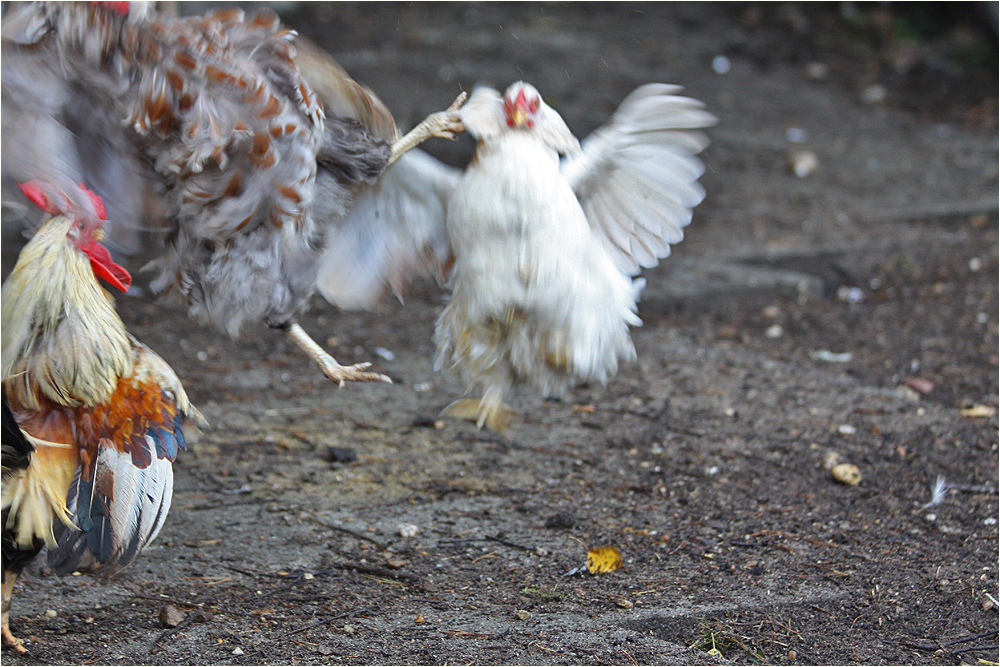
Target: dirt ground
[(850, 316)]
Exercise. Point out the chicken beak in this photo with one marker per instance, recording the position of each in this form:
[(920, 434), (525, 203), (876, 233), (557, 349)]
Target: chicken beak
[(519, 116)]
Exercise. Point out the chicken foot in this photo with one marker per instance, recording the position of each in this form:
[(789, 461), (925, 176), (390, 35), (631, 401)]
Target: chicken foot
[(9, 639), (329, 366), (489, 410), (445, 124)]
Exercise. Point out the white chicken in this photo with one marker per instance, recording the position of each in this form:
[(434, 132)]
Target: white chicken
[(546, 233)]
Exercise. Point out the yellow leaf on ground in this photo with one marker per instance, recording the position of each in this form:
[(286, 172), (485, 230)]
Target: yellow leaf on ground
[(978, 411), (604, 559)]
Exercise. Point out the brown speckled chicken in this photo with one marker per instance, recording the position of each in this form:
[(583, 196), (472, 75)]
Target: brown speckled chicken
[(238, 143)]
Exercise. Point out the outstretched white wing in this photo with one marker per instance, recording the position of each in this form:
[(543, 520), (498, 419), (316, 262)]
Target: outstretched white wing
[(637, 176), (393, 233)]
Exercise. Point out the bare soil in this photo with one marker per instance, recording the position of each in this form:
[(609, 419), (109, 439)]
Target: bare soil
[(706, 462)]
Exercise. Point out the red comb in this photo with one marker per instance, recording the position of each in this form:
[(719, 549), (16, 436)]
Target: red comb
[(98, 204), (36, 192), (33, 192), (100, 259)]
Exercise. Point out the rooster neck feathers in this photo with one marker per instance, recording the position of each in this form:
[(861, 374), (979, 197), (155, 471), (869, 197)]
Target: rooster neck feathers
[(61, 337)]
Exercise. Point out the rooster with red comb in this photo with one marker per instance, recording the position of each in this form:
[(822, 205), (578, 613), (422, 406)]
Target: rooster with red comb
[(547, 233), (92, 418)]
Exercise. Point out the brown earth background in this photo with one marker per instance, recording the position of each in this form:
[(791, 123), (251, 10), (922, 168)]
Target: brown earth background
[(706, 462)]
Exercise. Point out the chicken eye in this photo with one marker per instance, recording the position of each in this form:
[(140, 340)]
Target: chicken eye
[(535, 103)]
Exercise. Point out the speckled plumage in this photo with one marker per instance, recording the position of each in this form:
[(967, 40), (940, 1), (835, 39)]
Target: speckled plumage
[(240, 145), (212, 114)]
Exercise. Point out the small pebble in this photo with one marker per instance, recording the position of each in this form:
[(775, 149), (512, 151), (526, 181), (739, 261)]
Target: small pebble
[(51, 613), (792, 655), (721, 65), (624, 604), (420, 619), (847, 473), (522, 615), (817, 71), (407, 529), (774, 331), (170, 616), (237, 651), (796, 135), (850, 294), (340, 455), (874, 94), (831, 357), (307, 576), (988, 604), (830, 460), (923, 385), (348, 629), (561, 520), (846, 429)]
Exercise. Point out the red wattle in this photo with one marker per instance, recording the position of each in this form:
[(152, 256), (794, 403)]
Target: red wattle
[(105, 267)]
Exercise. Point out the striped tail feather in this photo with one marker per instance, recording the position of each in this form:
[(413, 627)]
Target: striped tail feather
[(119, 509), (120, 501)]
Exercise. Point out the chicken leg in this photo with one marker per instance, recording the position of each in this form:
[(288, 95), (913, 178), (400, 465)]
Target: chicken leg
[(444, 124), (8, 587), (329, 366)]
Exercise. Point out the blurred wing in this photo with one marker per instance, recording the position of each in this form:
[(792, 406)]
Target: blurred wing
[(66, 135), (393, 233), (340, 95), (637, 176)]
